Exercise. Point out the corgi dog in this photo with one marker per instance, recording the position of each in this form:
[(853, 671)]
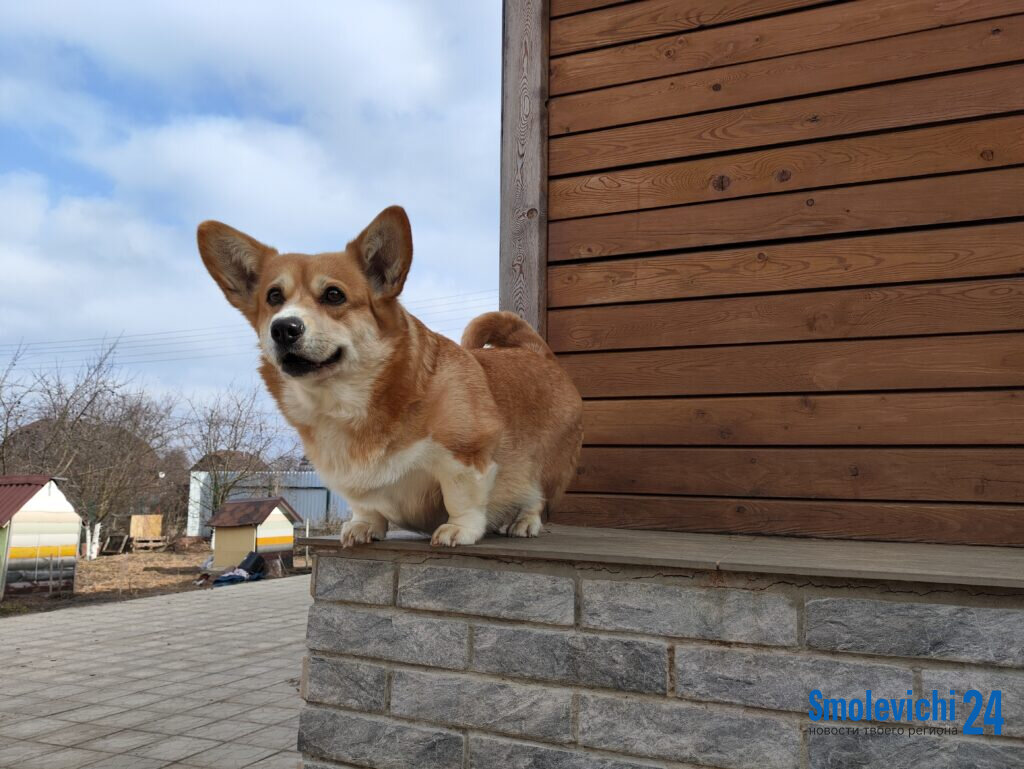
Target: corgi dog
[(411, 428)]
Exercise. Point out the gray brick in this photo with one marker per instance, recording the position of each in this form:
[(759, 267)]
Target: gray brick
[(355, 580), (714, 614), (684, 732), (487, 753), (939, 631), (1011, 685), (521, 710), (389, 635), (378, 742), (765, 679), (909, 752), (568, 657), (346, 683), (489, 593)]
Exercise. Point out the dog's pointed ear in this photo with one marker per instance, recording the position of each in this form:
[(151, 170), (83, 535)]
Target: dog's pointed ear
[(385, 251), (234, 260)]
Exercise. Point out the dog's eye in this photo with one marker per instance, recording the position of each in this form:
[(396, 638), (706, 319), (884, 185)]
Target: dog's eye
[(333, 295), (275, 296)]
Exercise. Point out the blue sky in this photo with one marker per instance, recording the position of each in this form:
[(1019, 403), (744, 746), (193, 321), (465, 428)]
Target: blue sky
[(122, 125)]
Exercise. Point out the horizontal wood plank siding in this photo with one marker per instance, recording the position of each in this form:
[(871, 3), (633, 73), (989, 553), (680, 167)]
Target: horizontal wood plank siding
[(825, 27), (836, 210), (971, 418), (652, 18), (903, 257), (926, 151), (994, 475), (785, 264), (931, 52), (896, 521), (909, 363), (944, 98)]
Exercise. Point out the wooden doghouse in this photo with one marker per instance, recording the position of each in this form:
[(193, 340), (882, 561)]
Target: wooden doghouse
[(244, 525), (39, 535)]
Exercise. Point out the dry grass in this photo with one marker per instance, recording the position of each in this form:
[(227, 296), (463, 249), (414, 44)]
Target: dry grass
[(120, 577), (117, 577)]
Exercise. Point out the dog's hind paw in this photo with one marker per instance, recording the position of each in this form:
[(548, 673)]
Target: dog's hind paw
[(527, 526), (451, 534)]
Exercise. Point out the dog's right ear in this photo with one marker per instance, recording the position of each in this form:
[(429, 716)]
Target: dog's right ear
[(234, 260), (385, 250)]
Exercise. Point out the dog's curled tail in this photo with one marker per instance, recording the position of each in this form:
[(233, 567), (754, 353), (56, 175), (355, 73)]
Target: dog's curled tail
[(504, 329)]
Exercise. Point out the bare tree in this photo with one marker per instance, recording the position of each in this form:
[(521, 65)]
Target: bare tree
[(105, 438), (234, 438), (14, 395)]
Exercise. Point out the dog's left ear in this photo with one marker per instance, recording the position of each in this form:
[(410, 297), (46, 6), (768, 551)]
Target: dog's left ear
[(234, 260), (385, 251)]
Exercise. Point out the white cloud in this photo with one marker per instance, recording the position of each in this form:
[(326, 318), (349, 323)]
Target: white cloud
[(295, 125)]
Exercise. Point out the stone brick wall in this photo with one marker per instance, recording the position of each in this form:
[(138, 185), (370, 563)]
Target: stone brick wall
[(442, 661)]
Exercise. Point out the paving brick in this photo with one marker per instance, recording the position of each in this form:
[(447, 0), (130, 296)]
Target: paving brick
[(347, 683), (909, 752), (714, 614), (568, 657), (378, 742), (488, 593), (899, 629), (388, 635), (354, 580), (1010, 683), (767, 679), (525, 710), (488, 753), (685, 732)]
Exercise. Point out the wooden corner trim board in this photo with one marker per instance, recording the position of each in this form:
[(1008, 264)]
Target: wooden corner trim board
[(524, 171)]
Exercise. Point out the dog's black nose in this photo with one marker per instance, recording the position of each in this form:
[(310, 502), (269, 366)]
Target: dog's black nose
[(286, 331)]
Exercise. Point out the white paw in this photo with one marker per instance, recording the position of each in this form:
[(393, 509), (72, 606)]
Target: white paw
[(451, 534), (525, 527), (359, 533)]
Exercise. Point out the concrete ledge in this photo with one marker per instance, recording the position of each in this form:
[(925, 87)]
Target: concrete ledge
[(891, 561)]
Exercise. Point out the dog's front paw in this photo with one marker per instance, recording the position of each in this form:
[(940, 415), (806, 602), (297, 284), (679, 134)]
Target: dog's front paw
[(358, 533), (451, 534)]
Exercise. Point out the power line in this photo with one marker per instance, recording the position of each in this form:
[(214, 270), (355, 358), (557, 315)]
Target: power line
[(426, 305)]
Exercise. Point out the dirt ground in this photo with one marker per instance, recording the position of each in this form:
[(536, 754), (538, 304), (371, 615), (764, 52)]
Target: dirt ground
[(121, 577)]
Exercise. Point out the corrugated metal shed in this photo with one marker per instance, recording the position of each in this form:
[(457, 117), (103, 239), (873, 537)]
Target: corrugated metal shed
[(16, 490), (304, 490), (252, 512)]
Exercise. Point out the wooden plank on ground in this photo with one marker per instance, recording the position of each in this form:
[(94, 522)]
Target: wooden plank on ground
[(903, 257), (895, 105), (892, 474), (881, 206), (977, 44), (910, 310), (765, 38), (651, 18), (936, 362), (950, 148), (963, 524), (972, 417)]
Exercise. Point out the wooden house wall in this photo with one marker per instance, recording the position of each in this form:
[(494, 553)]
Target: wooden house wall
[(785, 246)]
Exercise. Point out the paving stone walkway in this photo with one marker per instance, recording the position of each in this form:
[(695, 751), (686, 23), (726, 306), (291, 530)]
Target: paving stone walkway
[(205, 679)]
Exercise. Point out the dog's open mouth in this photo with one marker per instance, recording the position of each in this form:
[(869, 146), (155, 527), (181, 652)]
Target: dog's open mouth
[(296, 365)]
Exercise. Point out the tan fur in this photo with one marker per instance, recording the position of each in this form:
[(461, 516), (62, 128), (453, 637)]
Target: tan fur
[(413, 429)]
